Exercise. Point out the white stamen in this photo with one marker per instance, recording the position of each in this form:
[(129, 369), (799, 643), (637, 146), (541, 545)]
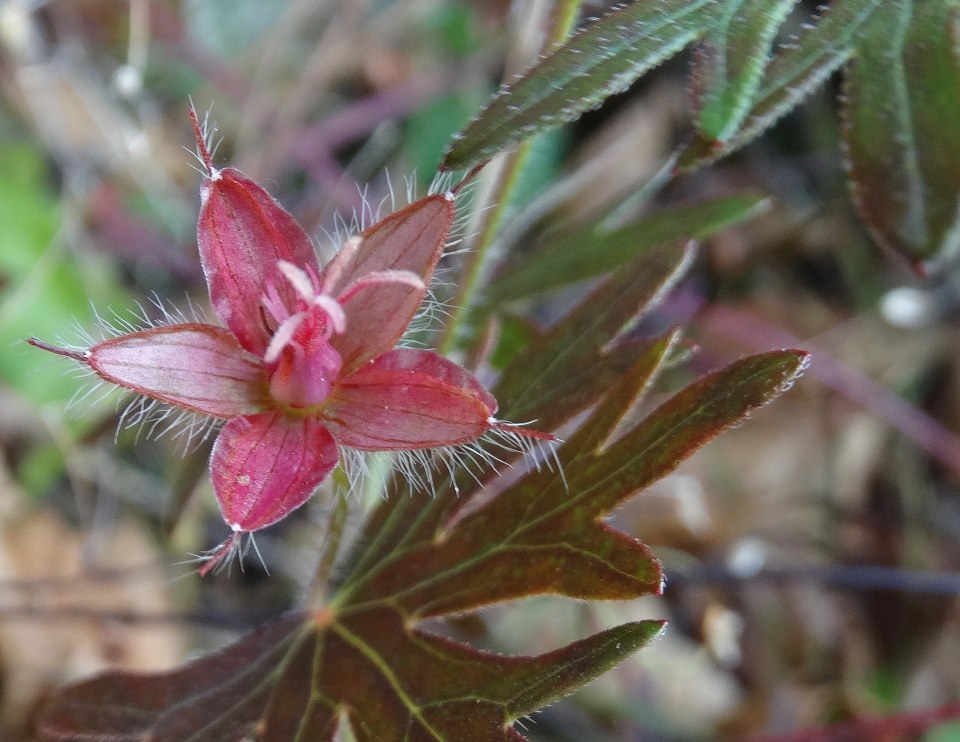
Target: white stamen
[(338, 320), (282, 336), (298, 278)]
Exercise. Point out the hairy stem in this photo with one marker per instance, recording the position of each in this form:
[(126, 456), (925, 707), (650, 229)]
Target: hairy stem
[(477, 267)]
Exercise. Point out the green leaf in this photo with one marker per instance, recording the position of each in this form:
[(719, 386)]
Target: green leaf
[(728, 69), (566, 370), (603, 59), (901, 99), (796, 70), (590, 252)]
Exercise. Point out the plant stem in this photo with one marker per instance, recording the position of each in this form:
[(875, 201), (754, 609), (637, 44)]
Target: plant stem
[(479, 260), (321, 576)]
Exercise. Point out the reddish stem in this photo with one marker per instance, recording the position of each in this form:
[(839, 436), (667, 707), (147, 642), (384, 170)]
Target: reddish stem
[(198, 133), (77, 355)]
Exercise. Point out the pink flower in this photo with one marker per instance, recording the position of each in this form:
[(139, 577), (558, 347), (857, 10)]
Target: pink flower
[(308, 360)]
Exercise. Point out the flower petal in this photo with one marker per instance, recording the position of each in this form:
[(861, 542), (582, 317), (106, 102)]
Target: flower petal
[(265, 466), (411, 239), (243, 233), (199, 367), (409, 399)]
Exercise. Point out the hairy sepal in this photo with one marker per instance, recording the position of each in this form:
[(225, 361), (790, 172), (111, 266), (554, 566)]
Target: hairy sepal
[(411, 240), (243, 233), (267, 465), (199, 367), (409, 399)]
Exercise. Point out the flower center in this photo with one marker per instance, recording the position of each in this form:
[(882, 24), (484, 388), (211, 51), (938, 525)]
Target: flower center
[(301, 362)]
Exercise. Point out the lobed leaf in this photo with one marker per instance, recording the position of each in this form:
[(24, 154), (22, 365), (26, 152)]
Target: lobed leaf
[(604, 58), (902, 91), (545, 534), (363, 661), (589, 252), (219, 696), (255, 695), (569, 368)]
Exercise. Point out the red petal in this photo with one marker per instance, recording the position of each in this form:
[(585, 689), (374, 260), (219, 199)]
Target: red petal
[(265, 466), (411, 239), (200, 367), (409, 399), (243, 233)]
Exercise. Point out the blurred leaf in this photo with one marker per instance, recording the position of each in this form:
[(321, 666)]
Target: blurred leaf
[(902, 94), (361, 657), (541, 167), (949, 732), (29, 211), (728, 68), (513, 335), (590, 252), (427, 131), (454, 25), (45, 291), (230, 27), (798, 67), (603, 59), (564, 371), (40, 468)]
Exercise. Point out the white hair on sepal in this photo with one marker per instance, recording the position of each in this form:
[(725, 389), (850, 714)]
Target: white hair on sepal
[(542, 453), (356, 467), (208, 134), (411, 183), (155, 419), (221, 557), (427, 320), (93, 395), (418, 467)]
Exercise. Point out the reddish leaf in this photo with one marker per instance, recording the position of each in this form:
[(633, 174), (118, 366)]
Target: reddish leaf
[(363, 659), (328, 669), (902, 93), (186, 704), (565, 371)]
